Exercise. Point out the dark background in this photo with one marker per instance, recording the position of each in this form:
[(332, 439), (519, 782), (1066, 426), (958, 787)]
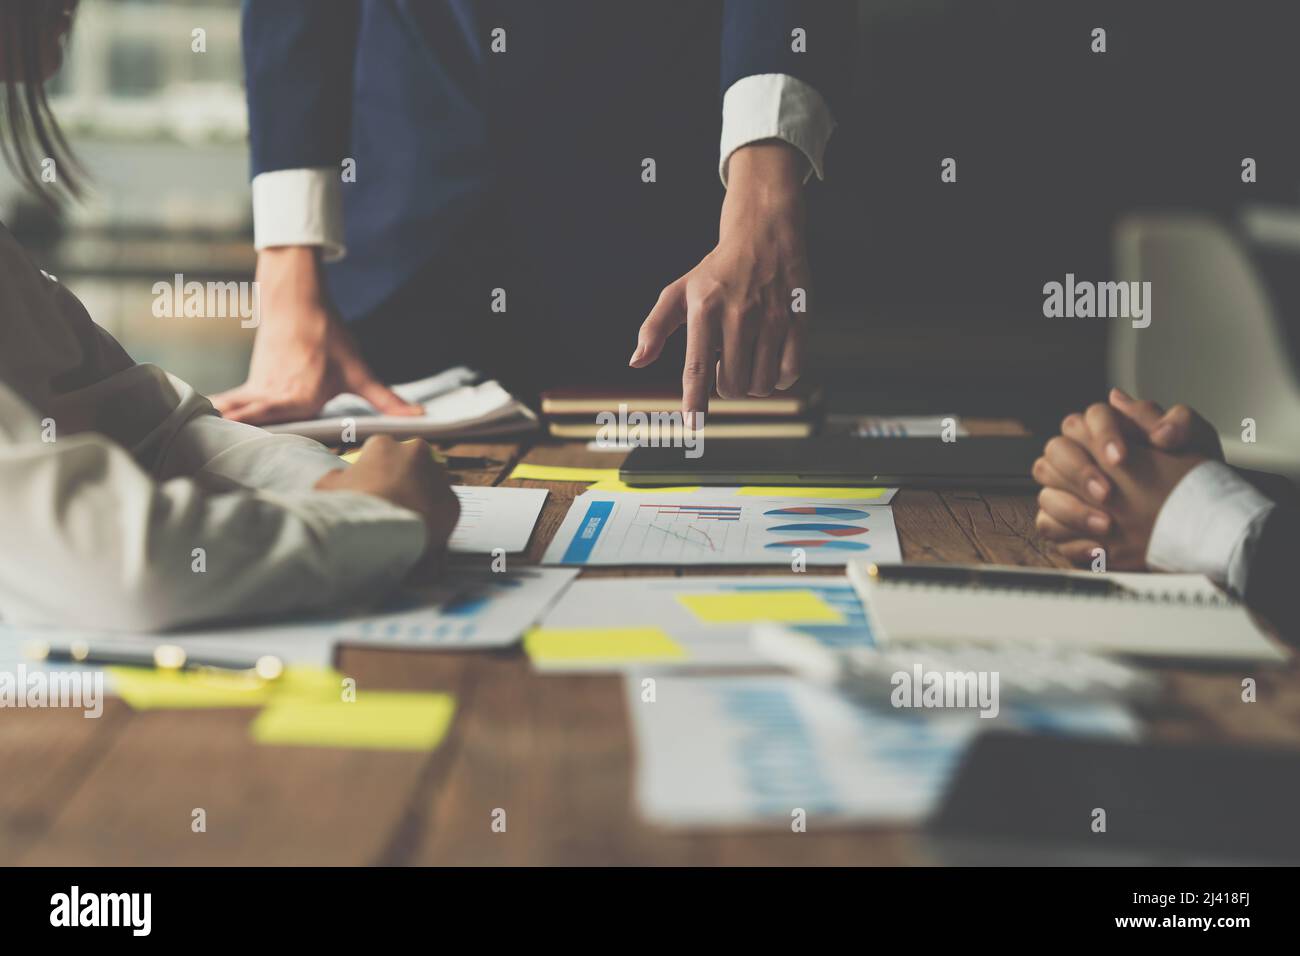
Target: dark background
[(927, 296), (930, 293)]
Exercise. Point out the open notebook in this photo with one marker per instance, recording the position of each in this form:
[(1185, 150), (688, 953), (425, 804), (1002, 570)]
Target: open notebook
[(1148, 615), (454, 407)]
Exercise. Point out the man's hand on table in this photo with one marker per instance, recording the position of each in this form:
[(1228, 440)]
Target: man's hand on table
[(739, 301), (303, 356)]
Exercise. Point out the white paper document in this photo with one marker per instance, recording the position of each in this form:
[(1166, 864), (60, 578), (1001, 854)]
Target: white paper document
[(463, 610), (630, 528), (603, 624), (492, 518), (454, 407), (720, 752)]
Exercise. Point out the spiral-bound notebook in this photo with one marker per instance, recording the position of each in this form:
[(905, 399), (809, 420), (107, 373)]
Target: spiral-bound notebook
[(1149, 615)]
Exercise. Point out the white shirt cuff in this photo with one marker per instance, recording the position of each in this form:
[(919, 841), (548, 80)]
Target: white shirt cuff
[(1205, 524), (365, 542), (776, 106), (299, 207)]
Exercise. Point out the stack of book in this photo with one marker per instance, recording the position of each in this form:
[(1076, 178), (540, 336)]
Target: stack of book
[(599, 414)]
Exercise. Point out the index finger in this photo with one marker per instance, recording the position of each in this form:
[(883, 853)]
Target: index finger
[(386, 401), (792, 355), (697, 372)]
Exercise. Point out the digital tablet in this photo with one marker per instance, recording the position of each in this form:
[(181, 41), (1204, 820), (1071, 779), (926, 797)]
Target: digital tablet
[(1022, 797), (904, 462)]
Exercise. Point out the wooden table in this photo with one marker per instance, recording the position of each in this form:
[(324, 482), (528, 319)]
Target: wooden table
[(553, 751)]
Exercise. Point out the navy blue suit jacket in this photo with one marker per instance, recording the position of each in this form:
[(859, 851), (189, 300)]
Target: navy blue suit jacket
[(550, 134)]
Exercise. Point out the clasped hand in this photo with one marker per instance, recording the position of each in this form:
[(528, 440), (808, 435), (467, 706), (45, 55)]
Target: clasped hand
[(1109, 472)]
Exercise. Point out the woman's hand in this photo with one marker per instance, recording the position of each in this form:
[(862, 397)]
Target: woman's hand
[(404, 474)]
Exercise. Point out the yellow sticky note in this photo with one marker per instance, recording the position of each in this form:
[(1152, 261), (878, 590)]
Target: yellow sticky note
[(376, 720), (599, 645), (795, 491), (149, 689), (789, 607), (613, 484), (146, 688), (563, 473)]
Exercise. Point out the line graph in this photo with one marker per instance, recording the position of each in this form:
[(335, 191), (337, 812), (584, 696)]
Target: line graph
[(676, 529)]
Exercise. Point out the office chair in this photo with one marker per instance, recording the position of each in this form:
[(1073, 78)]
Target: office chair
[(1215, 341)]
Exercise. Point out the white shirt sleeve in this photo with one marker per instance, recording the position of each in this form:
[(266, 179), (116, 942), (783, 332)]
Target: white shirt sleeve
[(299, 207), (221, 452), (1206, 524), (91, 538), (776, 106)]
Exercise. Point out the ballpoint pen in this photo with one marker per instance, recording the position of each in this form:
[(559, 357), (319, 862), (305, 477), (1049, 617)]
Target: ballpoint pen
[(163, 657)]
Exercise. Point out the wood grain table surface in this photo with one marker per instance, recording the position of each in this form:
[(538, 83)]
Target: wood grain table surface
[(553, 751)]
